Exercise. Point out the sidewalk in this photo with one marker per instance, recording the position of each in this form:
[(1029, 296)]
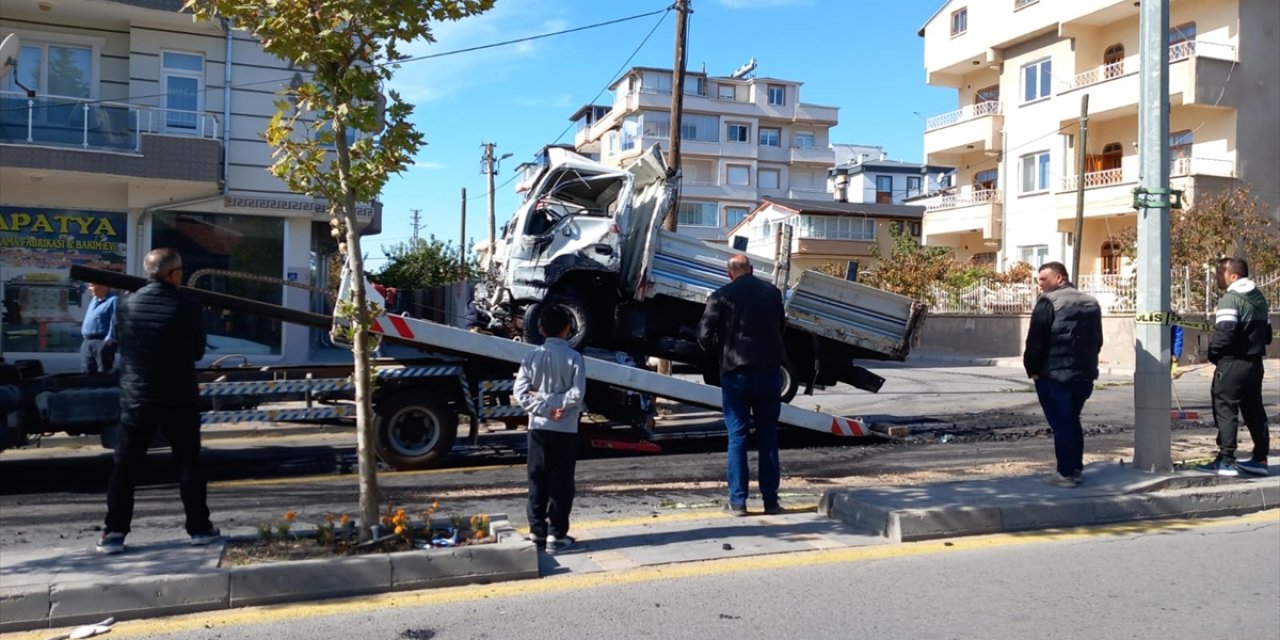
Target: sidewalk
[(57, 587)]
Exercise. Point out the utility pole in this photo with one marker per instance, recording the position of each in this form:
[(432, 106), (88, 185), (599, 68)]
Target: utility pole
[(488, 170), (1152, 198), (462, 237), (677, 101), (416, 225), (1082, 146)]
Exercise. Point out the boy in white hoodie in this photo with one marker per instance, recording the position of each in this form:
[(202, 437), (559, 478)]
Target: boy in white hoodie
[(550, 385)]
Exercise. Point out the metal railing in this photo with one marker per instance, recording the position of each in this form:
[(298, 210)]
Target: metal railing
[(1018, 4), (94, 124), (967, 199), (1189, 293), (1196, 165), (963, 114)]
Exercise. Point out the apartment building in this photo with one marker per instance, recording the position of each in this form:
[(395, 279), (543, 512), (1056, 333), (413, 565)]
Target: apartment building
[(1020, 68), (742, 138), (825, 233), (884, 181), (125, 127)]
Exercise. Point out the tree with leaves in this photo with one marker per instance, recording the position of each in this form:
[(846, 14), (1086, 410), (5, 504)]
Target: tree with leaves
[(1227, 223), (349, 49), (420, 264)]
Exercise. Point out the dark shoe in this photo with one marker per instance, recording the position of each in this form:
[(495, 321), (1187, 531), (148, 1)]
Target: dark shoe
[(737, 510), (773, 509), (1058, 480), (207, 538), (1078, 477), (558, 544), (1253, 467), (1219, 467), (111, 543), (539, 542)]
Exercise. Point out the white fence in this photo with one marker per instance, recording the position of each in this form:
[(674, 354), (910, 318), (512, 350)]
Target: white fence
[(1189, 293)]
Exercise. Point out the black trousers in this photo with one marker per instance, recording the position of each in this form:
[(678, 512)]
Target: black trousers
[(1237, 391), (553, 457), (181, 427)]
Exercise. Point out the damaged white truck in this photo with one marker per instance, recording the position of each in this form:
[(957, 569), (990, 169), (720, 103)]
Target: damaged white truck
[(589, 238)]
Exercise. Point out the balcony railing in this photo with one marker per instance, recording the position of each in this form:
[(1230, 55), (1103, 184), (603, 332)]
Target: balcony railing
[(969, 199), (1094, 179), (1195, 165), (1177, 52), (93, 124), (967, 112)]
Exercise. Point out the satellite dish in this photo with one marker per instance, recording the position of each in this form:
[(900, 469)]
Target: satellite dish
[(9, 54)]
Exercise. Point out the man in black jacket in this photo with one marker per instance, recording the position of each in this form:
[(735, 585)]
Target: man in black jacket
[(1241, 333), (742, 326), (1061, 356), (161, 335)]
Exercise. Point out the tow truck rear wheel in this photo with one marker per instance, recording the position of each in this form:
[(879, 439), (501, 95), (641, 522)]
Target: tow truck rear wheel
[(414, 433)]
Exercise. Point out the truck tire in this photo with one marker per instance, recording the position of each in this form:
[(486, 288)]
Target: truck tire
[(790, 381), (412, 432), (580, 322)]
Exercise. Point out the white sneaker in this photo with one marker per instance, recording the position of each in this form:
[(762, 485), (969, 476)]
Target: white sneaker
[(556, 545)]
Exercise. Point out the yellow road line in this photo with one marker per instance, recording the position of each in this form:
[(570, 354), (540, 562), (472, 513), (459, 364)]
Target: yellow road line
[(224, 619)]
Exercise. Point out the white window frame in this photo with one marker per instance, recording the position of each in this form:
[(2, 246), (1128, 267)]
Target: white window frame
[(807, 135), (725, 91), (689, 124), (745, 174), (165, 74), (43, 39), (1042, 77), (1034, 254), (960, 21), (777, 179), (775, 135), (742, 129), (702, 209), (776, 95), (1041, 180), (729, 213)]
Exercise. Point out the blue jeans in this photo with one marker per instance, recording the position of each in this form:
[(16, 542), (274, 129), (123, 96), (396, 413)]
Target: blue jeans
[(1062, 403), (752, 395)]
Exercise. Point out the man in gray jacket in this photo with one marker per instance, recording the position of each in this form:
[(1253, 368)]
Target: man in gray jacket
[(1061, 356)]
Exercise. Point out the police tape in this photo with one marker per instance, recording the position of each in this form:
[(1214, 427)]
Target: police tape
[(1171, 318)]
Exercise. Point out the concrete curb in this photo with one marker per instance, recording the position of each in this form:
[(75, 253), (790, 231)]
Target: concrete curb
[(1011, 362), (888, 517), (511, 557)]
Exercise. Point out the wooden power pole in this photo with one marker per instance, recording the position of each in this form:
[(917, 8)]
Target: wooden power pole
[(1081, 157), (487, 159), (677, 101)]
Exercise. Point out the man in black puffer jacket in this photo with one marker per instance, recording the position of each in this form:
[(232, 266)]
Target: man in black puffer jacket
[(1062, 357), (160, 332)]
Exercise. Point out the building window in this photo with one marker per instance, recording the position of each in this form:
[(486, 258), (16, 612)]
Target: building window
[(250, 244), (777, 95), (1036, 79), (1110, 258), (884, 189), (1182, 41), (837, 228), (768, 178), (739, 132), (985, 180), (738, 175), (727, 92), (1035, 254), (770, 137), (987, 94), (183, 83), (1035, 172), (1180, 153), (54, 69), (697, 214), (1017, 4), (734, 215), (695, 86), (913, 186), (700, 128), (630, 131), (959, 21), (656, 124), (656, 82), (803, 140), (1113, 62)]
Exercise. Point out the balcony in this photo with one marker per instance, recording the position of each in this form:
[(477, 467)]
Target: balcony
[(91, 136), (1198, 74), (971, 128), (813, 155), (1107, 192), (968, 210), (808, 193)]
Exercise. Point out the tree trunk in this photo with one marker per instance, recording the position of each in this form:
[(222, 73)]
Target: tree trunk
[(365, 434)]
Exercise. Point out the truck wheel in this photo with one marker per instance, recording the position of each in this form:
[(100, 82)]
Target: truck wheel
[(413, 433), (580, 325), (790, 381)]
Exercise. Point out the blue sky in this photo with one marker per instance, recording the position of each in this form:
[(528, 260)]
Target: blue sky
[(862, 57)]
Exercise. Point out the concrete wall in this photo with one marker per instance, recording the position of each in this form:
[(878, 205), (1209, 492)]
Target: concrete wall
[(1004, 336)]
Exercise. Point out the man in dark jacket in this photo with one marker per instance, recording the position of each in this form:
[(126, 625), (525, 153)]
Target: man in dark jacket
[(1062, 358), (742, 326), (1241, 333), (161, 336)]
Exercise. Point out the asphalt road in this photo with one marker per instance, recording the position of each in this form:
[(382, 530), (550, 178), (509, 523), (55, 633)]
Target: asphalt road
[(966, 421), (1200, 579)]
